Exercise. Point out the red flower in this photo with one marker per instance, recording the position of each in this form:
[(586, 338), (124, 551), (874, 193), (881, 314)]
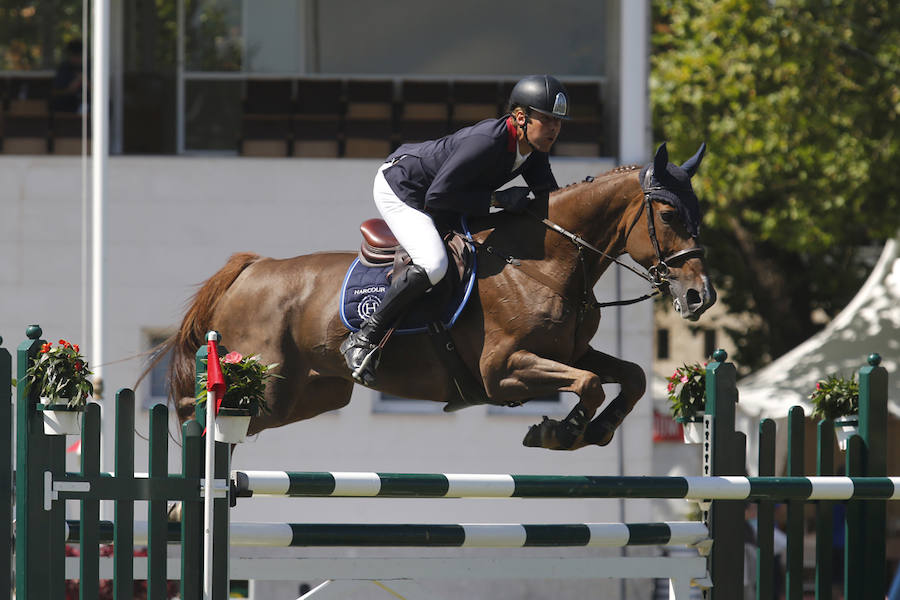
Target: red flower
[(65, 344), (670, 387), (78, 365), (46, 348), (232, 358), (75, 346)]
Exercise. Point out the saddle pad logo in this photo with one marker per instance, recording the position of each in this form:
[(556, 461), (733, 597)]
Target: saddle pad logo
[(367, 306)]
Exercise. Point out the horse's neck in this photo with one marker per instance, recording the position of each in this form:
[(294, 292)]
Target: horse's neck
[(598, 212)]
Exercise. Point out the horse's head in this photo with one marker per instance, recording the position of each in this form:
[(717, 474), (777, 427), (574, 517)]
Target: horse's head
[(669, 249)]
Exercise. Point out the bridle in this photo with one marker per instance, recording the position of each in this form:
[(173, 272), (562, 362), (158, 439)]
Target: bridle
[(658, 273)]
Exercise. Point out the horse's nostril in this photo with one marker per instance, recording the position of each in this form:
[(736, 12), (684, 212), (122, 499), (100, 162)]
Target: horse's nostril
[(693, 297)]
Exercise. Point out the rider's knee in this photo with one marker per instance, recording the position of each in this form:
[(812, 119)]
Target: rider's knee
[(436, 269)]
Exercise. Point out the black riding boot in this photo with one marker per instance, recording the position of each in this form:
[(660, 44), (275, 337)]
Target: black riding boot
[(361, 349)]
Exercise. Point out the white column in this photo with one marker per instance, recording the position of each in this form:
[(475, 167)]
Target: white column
[(100, 155), (634, 71)]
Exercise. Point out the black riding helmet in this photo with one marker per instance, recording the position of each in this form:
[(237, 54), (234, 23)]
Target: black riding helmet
[(542, 93)]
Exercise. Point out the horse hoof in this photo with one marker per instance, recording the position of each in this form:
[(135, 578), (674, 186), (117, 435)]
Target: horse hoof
[(550, 434), (533, 437)]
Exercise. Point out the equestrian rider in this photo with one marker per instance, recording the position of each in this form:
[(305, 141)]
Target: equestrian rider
[(456, 174)]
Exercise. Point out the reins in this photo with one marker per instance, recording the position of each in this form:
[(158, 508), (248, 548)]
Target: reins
[(656, 275), (581, 244)]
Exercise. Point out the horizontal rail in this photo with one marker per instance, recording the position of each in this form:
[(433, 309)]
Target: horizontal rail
[(450, 485), (434, 568), (474, 535)]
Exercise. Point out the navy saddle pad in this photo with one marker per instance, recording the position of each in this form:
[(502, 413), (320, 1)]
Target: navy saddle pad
[(364, 287)]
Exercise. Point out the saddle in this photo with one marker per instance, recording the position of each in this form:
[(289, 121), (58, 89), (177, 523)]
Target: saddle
[(440, 307), (380, 248)]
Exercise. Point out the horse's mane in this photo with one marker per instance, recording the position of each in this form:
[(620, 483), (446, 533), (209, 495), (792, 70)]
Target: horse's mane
[(598, 178)]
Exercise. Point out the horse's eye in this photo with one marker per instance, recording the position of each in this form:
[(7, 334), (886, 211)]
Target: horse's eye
[(667, 216)]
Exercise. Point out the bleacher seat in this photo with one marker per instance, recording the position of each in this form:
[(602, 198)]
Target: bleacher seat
[(425, 110), (474, 101), (582, 135), (65, 133), (369, 123), (316, 123), (26, 118), (266, 118)]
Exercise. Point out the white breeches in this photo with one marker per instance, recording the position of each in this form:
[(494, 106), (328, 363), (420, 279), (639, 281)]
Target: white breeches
[(413, 229)]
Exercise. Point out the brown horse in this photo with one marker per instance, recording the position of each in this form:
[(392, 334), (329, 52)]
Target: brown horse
[(525, 334)]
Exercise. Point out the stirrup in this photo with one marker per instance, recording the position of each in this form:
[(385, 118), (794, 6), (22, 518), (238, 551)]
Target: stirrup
[(364, 373), (361, 369)]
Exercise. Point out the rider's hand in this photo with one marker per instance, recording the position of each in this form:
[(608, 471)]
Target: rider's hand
[(513, 199)]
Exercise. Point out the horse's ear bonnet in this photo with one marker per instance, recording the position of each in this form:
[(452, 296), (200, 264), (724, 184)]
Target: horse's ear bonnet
[(671, 184)]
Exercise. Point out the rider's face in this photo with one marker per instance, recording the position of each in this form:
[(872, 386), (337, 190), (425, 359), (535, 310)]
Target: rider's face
[(542, 129)]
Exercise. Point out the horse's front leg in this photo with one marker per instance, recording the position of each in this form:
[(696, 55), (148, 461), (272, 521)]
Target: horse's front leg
[(528, 376), (577, 429)]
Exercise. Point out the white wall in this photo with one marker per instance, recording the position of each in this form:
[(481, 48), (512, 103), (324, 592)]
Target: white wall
[(172, 222)]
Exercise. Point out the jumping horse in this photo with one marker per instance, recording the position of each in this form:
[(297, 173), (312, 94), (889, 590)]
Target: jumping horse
[(524, 334)]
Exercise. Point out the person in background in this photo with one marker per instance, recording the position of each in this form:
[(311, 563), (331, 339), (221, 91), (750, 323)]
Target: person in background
[(68, 81)]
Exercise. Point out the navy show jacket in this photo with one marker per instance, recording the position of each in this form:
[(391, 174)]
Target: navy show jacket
[(459, 172)]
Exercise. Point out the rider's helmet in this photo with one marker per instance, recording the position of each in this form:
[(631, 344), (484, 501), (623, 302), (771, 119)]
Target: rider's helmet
[(542, 93)]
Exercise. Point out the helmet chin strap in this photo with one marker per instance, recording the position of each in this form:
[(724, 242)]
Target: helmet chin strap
[(525, 132)]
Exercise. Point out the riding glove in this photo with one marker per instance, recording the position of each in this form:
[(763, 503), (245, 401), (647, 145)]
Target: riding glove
[(512, 199)]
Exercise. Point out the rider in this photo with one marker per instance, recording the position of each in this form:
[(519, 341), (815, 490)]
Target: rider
[(456, 174)]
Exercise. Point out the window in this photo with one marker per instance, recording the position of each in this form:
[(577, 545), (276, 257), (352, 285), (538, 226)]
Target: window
[(156, 382), (709, 342), (662, 344)]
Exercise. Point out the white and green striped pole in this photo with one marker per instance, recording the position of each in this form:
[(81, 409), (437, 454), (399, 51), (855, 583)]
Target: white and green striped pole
[(468, 485), (470, 535)]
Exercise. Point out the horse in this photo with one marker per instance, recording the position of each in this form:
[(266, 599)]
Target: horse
[(524, 333)]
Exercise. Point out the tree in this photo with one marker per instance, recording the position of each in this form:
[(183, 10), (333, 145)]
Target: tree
[(34, 32), (799, 102)]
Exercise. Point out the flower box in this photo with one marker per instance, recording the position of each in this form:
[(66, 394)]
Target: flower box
[(60, 418), (232, 425), (692, 429), (244, 397), (845, 428), (60, 377), (837, 398)]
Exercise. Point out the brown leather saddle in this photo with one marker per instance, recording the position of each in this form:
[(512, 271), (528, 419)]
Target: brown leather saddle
[(380, 248)]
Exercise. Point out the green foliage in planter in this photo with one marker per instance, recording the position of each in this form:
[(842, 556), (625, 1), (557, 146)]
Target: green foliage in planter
[(835, 396), (61, 374), (686, 391), (245, 382)]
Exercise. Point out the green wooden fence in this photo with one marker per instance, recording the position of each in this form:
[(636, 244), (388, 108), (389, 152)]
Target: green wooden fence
[(42, 485)]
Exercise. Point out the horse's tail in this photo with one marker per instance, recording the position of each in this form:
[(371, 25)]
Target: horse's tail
[(192, 333)]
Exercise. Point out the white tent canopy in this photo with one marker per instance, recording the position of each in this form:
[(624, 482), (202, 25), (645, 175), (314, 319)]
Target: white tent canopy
[(870, 323)]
